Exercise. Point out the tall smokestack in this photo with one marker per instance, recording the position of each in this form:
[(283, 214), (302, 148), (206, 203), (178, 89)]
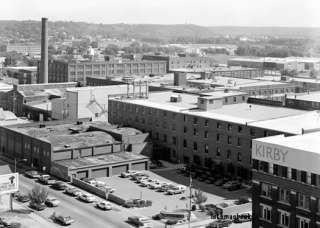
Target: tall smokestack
[(43, 77)]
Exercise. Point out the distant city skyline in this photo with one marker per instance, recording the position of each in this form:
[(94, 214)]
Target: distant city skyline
[(288, 13)]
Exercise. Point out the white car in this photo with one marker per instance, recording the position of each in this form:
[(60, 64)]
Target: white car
[(104, 205), (176, 190), (87, 197), (52, 202), (128, 173)]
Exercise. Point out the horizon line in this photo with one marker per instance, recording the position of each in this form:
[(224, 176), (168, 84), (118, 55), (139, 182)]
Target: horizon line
[(125, 23)]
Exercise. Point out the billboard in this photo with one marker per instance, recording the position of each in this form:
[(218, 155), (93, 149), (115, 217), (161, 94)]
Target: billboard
[(9, 183)]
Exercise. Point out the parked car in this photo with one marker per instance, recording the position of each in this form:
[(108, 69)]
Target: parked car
[(37, 206), (91, 181), (210, 180), (104, 205), (128, 173), (220, 223), (73, 191), (86, 197), (32, 174), (219, 182), (138, 175), (59, 185), (140, 221), (23, 198), (4, 223), (235, 185), (52, 202), (63, 220), (176, 190), (46, 179)]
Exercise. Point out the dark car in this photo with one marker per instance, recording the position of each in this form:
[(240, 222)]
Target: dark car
[(32, 174), (64, 220), (23, 198), (37, 206), (234, 186), (59, 185)]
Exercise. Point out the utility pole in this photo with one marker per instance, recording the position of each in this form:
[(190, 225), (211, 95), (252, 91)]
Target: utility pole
[(190, 195)]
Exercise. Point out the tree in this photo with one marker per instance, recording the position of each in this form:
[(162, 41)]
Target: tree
[(199, 198), (38, 194)]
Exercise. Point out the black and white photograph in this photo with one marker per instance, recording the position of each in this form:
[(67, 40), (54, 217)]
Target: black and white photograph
[(160, 113)]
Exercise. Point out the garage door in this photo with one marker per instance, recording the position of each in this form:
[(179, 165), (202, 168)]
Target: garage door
[(99, 173), (116, 170), (82, 174), (138, 166)]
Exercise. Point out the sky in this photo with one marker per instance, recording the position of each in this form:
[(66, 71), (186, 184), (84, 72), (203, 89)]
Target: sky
[(292, 13)]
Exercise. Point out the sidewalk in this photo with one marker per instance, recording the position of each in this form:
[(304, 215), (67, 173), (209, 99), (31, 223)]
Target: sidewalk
[(22, 214)]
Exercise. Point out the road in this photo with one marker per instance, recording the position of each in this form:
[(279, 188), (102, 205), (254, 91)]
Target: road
[(84, 214)]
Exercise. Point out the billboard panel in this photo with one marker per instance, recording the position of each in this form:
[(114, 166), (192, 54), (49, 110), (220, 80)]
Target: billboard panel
[(9, 183)]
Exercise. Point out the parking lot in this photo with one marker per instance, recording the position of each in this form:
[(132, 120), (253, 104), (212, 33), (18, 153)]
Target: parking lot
[(161, 201)]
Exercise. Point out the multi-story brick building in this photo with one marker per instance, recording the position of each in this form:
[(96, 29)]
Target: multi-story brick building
[(75, 71), (286, 181), (177, 62), (206, 130)]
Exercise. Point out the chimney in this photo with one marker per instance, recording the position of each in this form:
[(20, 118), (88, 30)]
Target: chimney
[(43, 77)]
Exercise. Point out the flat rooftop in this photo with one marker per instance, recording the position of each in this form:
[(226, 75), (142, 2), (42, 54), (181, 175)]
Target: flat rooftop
[(107, 159), (238, 113), (237, 82), (66, 136), (292, 124), (312, 96), (307, 142)]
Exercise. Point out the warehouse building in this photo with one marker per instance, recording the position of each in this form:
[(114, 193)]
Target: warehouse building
[(64, 149), (286, 181), (78, 71), (212, 129)]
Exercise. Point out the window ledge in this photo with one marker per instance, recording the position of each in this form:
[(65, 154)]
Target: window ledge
[(282, 226), (263, 219), (266, 197), (284, 203), (304, 209)]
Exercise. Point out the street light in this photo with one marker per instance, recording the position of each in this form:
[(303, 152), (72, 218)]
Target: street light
[(15, 170)]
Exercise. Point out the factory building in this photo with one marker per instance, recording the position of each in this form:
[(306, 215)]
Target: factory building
[(64, 149), (76, 71)]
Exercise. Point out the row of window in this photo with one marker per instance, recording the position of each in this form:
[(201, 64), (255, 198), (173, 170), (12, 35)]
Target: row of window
[(285, 172), (303, 201), (283, 217)]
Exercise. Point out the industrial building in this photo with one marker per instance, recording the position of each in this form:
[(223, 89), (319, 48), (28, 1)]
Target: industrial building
[(24, 75), (78, 71), (33, 100), (25, 48), (207, 129), (178, 62), (89, 102), (286, 181), (290, 63), (64, 149)]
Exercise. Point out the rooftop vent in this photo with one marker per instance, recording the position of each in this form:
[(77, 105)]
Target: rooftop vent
[(42, 126), (66, 146), (175, 99)]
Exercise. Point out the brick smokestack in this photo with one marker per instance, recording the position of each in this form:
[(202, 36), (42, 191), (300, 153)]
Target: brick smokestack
[(43, 77)]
